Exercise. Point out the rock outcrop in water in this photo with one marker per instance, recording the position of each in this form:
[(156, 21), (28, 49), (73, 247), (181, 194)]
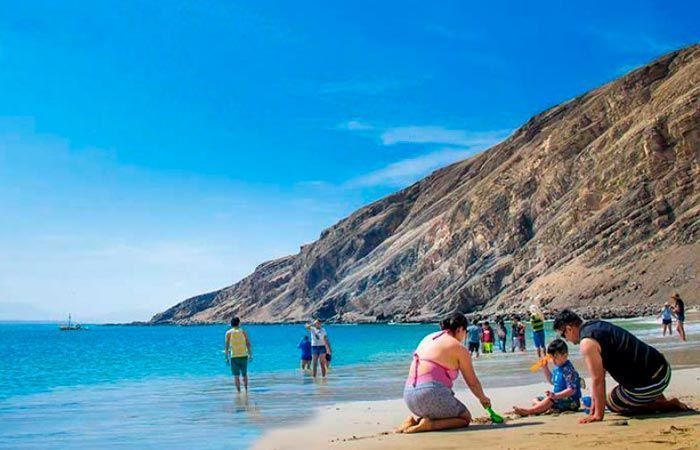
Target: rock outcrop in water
[(591, 203)]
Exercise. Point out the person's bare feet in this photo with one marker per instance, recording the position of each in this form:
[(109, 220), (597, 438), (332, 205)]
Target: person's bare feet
[(680, 406), (409, 422), (424, 424), (522, 412)]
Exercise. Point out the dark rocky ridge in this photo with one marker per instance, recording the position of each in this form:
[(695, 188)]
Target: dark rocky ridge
[(592, 203)]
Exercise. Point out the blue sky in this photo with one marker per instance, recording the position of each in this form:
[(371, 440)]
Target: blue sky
[(151, 151)]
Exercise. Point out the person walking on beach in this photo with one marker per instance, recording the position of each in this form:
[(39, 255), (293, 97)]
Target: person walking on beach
[(474, 340), (305, 347), (667, 316), (641, 371), (679, 309), (502, 335), (238, 352), (537, 323), (320, 347), (438, 360)]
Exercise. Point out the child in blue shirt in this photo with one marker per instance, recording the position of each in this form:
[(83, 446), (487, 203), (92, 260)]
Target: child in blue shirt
[(566, 393), (305, 347)]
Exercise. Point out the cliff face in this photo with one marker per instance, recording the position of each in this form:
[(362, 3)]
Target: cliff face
[(593, 202)]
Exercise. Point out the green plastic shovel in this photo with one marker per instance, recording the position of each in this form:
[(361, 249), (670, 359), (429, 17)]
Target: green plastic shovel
[(495, 418)]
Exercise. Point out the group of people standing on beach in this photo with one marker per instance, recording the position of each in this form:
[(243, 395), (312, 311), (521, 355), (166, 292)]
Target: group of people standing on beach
[(482, 337), (668, 313), (641, 371)]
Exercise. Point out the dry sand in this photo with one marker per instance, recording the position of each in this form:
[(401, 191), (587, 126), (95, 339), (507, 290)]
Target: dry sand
[(368, 425)]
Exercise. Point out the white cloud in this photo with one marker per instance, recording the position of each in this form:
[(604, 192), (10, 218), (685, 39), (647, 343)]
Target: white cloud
[(441, 135), (406, 171), (354, 125), (461, 144)]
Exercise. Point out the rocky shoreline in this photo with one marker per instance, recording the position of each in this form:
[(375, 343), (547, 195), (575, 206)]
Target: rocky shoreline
[(587, 312)]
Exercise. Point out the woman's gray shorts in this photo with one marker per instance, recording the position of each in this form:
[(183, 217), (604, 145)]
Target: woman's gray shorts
[(432, 400)]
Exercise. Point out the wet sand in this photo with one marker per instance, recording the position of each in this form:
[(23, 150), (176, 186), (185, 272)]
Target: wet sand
[(369, 425)]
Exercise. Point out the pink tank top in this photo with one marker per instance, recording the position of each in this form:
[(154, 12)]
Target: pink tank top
[(437, 372)]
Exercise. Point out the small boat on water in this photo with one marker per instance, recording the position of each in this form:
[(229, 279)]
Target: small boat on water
[(72, 326)]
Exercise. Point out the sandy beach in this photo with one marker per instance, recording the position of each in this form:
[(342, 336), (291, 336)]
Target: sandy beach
[(369, 425)]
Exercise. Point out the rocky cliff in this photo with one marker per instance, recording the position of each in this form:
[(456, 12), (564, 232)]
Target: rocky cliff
[(591, 203)]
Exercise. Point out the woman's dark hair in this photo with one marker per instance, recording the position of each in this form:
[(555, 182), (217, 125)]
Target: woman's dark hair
[(557, 347), (235, 322), (454, 322), (566, 317)]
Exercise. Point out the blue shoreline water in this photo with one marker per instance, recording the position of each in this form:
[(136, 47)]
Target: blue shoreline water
[(116, 386)]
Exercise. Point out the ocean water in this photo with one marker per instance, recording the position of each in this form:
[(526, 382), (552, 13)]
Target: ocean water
[(125, 387)]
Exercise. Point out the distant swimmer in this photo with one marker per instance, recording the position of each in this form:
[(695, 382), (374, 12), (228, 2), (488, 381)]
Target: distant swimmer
[(238, 352)]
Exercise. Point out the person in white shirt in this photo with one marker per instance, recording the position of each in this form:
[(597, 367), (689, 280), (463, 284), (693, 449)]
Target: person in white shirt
[(320, 347)]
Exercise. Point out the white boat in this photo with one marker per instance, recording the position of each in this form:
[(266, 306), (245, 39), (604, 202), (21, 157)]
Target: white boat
[(72, 326)]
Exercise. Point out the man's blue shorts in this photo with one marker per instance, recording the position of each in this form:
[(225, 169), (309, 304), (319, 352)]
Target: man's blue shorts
[(318, 350), (239, 366), (538, 337)]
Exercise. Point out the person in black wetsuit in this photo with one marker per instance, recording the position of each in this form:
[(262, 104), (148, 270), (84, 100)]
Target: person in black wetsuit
[(641, 371)]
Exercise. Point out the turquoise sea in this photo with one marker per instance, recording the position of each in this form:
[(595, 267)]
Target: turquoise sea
[(125, 387)]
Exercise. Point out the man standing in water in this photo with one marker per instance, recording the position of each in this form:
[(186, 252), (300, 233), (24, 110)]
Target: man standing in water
[(474, 338), (641, 371), (238, 352), (537, 323), (320, 347)]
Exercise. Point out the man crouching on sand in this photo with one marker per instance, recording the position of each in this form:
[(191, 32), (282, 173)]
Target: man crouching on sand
[(641, 371)]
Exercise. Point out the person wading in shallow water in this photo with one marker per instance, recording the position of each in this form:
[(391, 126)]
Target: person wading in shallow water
[(537, 323), (667, 316), (679, 309), (320, 347), (641, 371), (238, 353)]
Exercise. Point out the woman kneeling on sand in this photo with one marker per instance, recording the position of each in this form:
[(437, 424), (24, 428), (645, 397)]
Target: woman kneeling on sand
[(437, 361)]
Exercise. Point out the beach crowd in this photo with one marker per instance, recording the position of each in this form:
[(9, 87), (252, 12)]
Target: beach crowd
[(641, 372)]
